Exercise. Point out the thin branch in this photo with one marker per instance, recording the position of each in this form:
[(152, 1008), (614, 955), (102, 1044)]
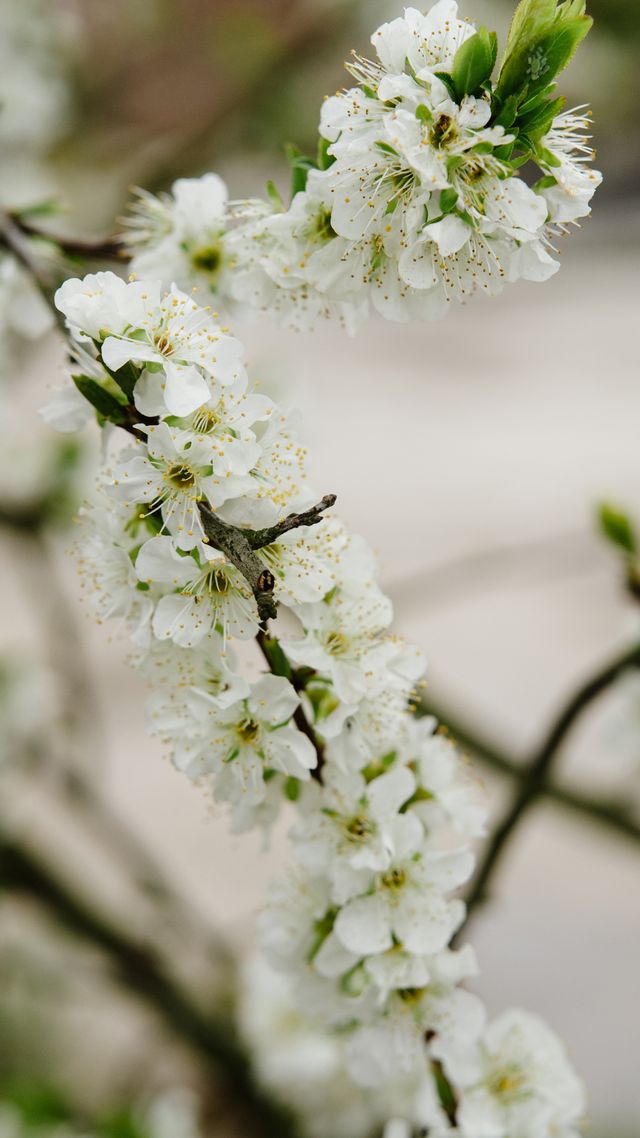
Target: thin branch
[(235, 545), (103, 249), (239, 547), (312, 517), (23, 873), (537, 772), (17, 243), (613, 814)]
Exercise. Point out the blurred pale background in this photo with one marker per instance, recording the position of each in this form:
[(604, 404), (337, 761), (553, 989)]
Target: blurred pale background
[(470, 453)]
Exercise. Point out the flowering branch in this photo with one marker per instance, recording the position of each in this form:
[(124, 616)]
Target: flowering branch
[(537, 772), (415, 199)]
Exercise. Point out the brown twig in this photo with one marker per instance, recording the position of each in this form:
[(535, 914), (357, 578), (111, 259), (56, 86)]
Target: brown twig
[(239, 546), (312, 517), (99, 249), (538, 770)]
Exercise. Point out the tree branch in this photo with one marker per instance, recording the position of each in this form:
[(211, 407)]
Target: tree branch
[(239, 547), (235, 545), (258, 538), (611, 815), (105, 249), (23, 873), (17, 243), (536, 773)]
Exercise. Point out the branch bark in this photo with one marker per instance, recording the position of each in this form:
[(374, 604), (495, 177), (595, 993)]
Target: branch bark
[(239, 547), (258, 538)]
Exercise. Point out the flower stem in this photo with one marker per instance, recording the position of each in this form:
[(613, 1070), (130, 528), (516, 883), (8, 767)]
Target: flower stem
[(278, 664)]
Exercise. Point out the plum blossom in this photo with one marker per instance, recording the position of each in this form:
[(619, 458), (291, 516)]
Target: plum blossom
[(525, 1084), (201, 595)]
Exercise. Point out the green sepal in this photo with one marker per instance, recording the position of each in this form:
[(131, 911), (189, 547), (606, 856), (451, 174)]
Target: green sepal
[(445, 78), (323, 702), (379, 766), (545, 157), (386, 148), (474, 62), (49, 207), (126, 377), (324, 159), (321, 930), (504, 153), (546, 183), (617, 528), (275, 197), (106, 405), (448, 200), (423, 114), (292, 789), (420, 794), (300, 165)]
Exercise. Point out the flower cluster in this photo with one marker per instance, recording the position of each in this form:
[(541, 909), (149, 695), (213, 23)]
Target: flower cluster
[(200, 538), (417, 198)]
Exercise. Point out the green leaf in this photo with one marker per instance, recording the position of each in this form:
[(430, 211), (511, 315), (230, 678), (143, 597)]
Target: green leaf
[(107, 406), (528, 18), (537, 123), (507, 113), (617, 528), (543, 39), (474, 62)]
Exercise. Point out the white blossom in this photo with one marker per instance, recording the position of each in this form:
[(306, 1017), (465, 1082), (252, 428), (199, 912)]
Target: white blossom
[(524, 1085), (200, 595)]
